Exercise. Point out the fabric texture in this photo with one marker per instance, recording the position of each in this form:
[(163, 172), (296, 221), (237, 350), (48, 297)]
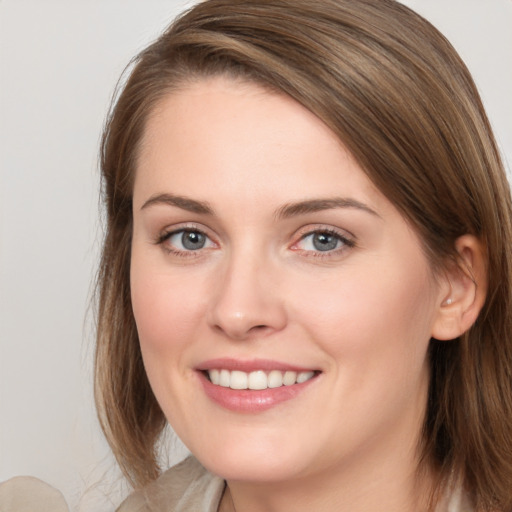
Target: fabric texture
[(29, 494), (185, 487)]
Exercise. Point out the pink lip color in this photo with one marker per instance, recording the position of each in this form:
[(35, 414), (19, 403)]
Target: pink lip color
[(245, 400)]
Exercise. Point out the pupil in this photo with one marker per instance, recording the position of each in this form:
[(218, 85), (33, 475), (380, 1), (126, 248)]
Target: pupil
[(325, 242), (193, 240)]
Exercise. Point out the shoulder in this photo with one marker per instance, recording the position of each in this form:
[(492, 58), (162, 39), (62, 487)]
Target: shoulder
[(186, 486), (26, 493)]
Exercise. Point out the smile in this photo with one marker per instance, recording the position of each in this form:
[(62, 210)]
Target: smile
[(257, 380), (253, 386)]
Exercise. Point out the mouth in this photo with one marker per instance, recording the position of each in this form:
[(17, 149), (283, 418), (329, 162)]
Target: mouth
[(257, 380), (254, 386)]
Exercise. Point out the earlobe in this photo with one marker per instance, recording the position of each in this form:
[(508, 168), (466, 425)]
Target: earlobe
[(464, 290)]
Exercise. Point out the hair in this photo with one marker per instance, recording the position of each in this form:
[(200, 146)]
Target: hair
[(399, 97)]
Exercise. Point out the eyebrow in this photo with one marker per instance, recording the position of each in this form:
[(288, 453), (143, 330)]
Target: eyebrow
[(185, 203), (317, 205), (286, 211)]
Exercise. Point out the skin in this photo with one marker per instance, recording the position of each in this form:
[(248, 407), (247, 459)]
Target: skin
[(361, 314)]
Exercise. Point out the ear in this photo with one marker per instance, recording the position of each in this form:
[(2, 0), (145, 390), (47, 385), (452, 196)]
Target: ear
[(463, 290)]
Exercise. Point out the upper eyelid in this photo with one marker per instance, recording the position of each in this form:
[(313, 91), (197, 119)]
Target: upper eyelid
[(186, 226), (163, 240), (165, 234), (323, 228), (172, 232), (348, 239)]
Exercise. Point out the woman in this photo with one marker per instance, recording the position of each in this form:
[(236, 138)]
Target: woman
[(307, 266)]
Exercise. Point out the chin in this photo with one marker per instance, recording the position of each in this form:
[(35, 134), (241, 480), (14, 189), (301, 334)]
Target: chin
[(251, 471), (256, 465)]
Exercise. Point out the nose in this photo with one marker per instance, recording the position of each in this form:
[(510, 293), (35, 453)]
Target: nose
[(247, 302)]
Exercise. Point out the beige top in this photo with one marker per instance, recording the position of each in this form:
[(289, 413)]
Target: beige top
[(187, 487), (29, 494)]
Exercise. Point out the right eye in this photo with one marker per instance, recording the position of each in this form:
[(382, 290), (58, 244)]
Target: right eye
[(186, 240)]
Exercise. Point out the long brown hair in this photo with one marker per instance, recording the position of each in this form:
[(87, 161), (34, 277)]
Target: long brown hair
[(393, 89)]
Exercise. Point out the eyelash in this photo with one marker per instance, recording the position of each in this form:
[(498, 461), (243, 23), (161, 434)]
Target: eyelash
[(167, 235), (344, 240), (346, 243)]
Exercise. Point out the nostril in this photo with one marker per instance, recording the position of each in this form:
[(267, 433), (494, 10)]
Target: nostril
[(258, 328)]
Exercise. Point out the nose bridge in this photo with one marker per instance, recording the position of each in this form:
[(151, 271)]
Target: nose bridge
[(247, 299)]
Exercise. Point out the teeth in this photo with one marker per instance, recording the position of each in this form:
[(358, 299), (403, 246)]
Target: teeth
[(224, 378), (304, 376), (289, 378), (275, 379), (257, 380), (238, 380), (214, 376)]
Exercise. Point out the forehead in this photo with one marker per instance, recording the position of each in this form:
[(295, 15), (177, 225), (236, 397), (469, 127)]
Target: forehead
[(208, 112), (220, 137)]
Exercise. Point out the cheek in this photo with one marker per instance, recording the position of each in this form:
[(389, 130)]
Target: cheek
[(167, 313), (380, 313), (375, 330), (167, 310)]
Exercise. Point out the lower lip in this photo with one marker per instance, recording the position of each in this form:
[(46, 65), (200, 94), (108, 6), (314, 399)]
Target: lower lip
[(251, 401)]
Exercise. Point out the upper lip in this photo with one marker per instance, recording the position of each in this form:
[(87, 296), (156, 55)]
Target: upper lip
[(250, 365)]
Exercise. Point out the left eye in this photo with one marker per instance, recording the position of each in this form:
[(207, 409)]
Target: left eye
[(189, 240), (322, 241)]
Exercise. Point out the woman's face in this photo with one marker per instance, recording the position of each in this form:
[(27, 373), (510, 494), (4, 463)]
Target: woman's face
[(264, 258)]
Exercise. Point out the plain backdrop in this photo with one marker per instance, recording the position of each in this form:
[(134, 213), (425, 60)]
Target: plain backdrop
[(59, 63)]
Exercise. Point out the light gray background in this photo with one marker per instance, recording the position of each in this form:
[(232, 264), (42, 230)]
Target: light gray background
[(59, 62)]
